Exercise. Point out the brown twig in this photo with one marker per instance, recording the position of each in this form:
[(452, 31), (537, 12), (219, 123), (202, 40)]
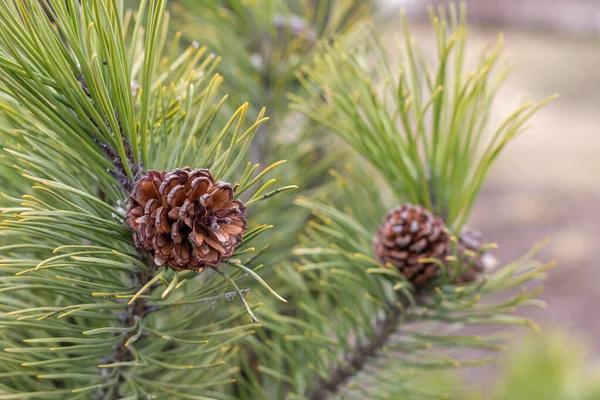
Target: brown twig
[(134, 313), (356, 359)]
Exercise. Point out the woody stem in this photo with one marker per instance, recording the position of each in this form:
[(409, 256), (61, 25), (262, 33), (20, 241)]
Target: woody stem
[(356, 359)]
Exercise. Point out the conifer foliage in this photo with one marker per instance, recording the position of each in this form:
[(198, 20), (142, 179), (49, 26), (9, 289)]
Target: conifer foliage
[(97, 99), (130, 215)]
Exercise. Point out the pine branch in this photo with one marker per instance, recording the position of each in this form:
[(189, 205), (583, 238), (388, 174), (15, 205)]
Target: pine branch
[(133, 314), (413, 119), (280, 39), (355, 360), (119, 173), (79, 135)]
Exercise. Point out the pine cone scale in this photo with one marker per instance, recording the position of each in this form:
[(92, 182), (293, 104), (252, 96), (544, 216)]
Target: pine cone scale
[(185, 219), (197, 188), (176, 196), (145, 190), (161, 221)]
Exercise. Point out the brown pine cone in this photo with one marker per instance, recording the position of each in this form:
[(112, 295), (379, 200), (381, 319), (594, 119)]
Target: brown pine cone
[(408, 234), (185, 219)]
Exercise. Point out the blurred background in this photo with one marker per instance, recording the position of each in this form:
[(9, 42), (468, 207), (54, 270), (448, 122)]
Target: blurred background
[(546, 184)]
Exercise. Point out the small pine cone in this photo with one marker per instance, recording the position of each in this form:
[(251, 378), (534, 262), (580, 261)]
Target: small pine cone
[(408, 234), (185, 219), (470, 240)]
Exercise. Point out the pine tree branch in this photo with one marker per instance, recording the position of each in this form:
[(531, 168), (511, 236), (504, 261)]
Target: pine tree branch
[(120, 174), (134, 313), (356, 359)]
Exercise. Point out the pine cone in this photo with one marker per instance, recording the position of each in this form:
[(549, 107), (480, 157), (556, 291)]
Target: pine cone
[(185, 219), (408, 234), (470, 239)]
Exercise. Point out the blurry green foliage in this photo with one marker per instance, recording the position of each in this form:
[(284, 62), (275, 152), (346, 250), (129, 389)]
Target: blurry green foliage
[(552, 365), (549, 366)]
